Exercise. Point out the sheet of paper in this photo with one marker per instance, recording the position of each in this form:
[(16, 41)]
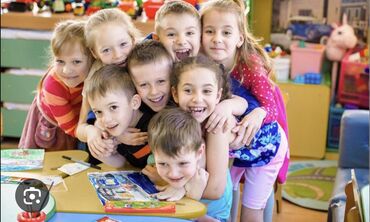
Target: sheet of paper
[(21, 159), (72, 168)]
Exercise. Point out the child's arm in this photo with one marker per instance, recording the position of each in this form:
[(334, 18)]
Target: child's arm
[(169, 193), (115, 160), (197, 184), (217, 159), (133, 137), (223, 115)]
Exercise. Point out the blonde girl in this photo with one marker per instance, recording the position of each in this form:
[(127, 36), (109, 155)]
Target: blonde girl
[(52, 119), (110, 36), (227, 41)]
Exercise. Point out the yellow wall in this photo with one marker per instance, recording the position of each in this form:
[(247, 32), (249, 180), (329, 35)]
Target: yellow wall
[(261, 15)]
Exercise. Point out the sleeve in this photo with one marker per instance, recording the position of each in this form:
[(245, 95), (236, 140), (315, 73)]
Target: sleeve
[(61, 108), (256, 80)]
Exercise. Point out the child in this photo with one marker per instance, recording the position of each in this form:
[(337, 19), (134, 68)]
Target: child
[(52, 119), (196, 85), (110, 36), (114, 101), (177, 27), (226, 40), (175, 139)]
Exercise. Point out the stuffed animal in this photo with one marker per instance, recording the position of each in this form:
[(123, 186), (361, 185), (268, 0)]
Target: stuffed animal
[(341, 39)]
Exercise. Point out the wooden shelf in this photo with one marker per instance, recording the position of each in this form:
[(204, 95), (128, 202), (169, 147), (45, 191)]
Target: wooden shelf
[(46, 21)]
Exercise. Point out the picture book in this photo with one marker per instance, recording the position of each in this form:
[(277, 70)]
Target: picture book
[(21, 159), (128, 192)]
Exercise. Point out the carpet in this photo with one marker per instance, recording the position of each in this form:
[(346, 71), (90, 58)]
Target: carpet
[(310, 183)]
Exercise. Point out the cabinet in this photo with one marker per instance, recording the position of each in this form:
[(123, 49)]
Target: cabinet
[(307, 111)]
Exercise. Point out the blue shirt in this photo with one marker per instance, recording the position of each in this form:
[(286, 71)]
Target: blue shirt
[(265, 143)]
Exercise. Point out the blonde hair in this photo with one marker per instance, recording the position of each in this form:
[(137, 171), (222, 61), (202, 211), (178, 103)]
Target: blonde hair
[(105, 16), (68, 31), (107, 79), (250, 45), (172, 130), (174, 7)]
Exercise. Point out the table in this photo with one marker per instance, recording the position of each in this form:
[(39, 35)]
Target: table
[(82, 198), (75, 201)]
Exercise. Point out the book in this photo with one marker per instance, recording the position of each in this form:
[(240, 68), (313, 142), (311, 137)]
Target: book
[(128, 192), (21, 159)]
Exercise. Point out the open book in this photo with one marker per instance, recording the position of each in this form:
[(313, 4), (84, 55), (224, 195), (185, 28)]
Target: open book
[(128, 192)]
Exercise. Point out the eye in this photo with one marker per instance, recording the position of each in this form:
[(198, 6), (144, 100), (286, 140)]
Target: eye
[(162, 164), (170, 34), (97, 113), (76, 62), (105, 51), (143, 85), (59, 62), (187, 91), (207, 91), (208, 31), (161, 81), (123, 44), (113, 108), (227, 33), (184, 163), (190, 33)]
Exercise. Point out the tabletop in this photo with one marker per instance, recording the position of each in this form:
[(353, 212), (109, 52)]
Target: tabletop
[(80, 196)]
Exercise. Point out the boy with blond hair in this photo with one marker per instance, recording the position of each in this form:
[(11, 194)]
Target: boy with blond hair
[(177, 26)]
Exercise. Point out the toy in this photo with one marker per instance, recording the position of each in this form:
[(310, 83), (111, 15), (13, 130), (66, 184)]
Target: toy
[(308, 29), (341, 39)]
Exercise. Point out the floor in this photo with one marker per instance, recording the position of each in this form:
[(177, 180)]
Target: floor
[(289, 213)]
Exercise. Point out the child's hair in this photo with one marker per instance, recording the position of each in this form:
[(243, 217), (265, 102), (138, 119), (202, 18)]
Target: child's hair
[(146, 52), (105, 16), (250, 45), (174, 7), (68, 31), (202, 61), (172, 130), (107, 79)]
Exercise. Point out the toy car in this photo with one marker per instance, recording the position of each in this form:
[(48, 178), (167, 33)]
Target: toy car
[(308, 29)]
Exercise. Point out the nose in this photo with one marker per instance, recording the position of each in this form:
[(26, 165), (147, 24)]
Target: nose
[(67, 69), (106, 119), (181, 40), (173, 172), (117, 53), (216, 37), (153, 90), (197, 97)]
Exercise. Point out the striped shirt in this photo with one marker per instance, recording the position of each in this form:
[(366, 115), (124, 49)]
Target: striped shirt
[(60, 104)]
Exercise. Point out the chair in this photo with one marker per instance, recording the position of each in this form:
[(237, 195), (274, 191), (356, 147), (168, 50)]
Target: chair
[(353, 155), (353, 211)]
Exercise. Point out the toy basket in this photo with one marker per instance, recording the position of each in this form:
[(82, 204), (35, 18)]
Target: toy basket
[(353, 83), (306, 59), (335, 116)]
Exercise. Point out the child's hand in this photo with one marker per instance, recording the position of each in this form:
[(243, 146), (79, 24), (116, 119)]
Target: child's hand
[(133, 137), (248, 127), (97, 145), (151, 172), (221, 118), (169, 193), (197, 184)]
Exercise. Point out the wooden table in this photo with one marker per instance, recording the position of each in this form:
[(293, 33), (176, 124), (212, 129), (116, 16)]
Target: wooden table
[(82, 198)]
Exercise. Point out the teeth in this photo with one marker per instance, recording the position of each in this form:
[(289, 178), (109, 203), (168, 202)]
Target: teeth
[(197, 109), (156, 99), (182, 54)]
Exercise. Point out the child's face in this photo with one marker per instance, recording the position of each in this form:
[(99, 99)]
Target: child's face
[(221, 36), (72, 65), (114, 111), (180, 35), (112, 44), (197, 93), (178, 170), (152, 82)]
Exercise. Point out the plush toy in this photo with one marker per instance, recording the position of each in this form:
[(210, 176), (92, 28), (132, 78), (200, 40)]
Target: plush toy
[(341, 39)]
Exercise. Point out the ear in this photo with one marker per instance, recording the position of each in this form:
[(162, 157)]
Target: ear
[(155, 36), (175, 96), (135, 102), (241, 41), (201, 151), (344, 19)]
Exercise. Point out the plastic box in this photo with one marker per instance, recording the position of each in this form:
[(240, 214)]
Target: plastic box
[(353, 83), (307, 59), (151, 7), (335, 115), (281, 66)]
